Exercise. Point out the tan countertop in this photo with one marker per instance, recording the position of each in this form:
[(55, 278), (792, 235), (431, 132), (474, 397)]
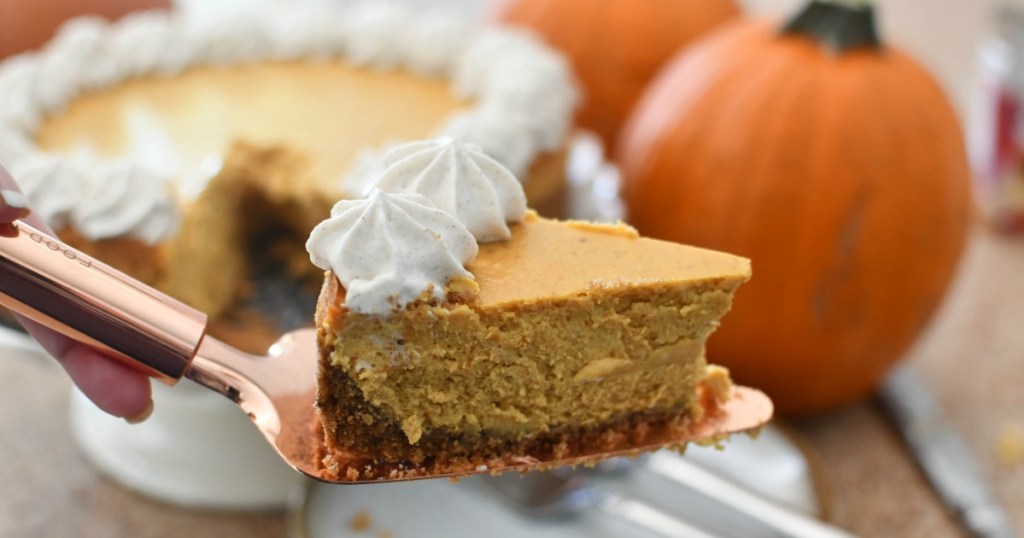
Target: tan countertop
[(47, 489), (972, 356)]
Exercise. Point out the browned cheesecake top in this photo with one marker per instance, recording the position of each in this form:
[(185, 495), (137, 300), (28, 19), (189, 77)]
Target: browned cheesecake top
[(574, 325), (330, 110), (547, 259)]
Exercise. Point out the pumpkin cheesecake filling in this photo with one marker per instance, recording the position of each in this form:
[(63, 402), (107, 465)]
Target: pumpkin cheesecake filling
[(505, 373), (574, 332)]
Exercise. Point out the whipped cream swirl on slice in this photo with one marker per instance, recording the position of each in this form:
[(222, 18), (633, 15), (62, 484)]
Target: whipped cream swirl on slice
[(389, 250), (459, 179)]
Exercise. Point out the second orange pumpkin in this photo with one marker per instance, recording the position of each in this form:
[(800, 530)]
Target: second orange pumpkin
[(838, 168), (616, 46)]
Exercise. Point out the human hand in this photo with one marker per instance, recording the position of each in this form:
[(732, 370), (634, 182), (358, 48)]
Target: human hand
[(111, 385)]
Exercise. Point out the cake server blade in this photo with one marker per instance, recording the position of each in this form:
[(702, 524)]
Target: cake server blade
[(51, 283), (943, 455)]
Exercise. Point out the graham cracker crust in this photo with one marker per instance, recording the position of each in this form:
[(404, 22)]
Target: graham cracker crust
[(361, 444)]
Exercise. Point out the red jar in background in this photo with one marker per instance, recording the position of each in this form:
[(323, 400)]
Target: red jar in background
[(996, 123)]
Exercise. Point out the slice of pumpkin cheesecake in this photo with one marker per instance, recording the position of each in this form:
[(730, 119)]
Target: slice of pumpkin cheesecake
[(557, 337)]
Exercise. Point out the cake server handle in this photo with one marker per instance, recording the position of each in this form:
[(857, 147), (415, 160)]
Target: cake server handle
[(68, 291)]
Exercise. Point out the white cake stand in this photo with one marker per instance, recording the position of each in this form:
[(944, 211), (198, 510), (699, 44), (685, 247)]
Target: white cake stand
[(198, 449)]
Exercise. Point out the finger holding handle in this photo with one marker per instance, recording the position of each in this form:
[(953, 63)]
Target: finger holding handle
[(112, 386), (13, 206)]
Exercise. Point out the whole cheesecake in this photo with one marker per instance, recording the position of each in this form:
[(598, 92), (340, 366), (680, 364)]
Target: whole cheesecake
[(190, 153), (449, 338)]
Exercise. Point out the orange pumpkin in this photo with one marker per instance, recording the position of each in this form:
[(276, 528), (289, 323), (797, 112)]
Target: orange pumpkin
[(27, 24), (616, 46), (832, 161)]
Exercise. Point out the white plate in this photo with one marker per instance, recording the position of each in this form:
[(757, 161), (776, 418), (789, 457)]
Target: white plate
[(771, 465)]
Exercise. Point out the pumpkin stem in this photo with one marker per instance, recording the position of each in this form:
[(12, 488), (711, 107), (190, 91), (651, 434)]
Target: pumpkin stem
[(839, 25)]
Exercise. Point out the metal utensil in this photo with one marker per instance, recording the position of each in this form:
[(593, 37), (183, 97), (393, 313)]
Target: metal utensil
[(563, 495), (770, 518), (943, 455), (707, 504), (76, 295)]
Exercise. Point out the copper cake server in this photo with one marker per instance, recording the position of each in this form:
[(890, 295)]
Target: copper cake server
[(48, 281)]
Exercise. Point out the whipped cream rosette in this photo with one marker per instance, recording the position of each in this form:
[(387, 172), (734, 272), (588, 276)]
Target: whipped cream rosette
[(388, 250), (460, 179)]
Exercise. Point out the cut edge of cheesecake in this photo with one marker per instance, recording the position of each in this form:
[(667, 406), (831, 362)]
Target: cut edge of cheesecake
[(260, 196), (714, 417), (561, 361)]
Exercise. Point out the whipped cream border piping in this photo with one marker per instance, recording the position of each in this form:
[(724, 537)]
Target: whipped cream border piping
[(514, 118)]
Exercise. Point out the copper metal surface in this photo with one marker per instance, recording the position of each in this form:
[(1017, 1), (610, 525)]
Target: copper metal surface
[(55, 285)]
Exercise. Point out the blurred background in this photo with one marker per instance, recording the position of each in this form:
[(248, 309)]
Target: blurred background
[(963, 342)]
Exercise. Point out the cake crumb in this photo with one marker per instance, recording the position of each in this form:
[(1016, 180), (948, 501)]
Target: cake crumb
[(385, 534), (718, 382), (525, 460), (361, 521), (1010, 445)]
